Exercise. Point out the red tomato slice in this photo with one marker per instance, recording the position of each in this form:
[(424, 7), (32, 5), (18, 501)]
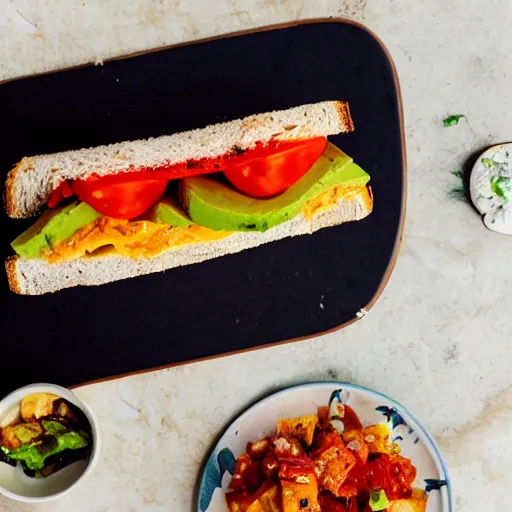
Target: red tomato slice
[(272, 173), (120, 200), (271, 168), (55, 198), (63, 191), (263, 171)]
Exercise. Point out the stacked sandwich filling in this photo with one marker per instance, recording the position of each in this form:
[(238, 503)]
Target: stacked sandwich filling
[(217, 190), (202, 209)]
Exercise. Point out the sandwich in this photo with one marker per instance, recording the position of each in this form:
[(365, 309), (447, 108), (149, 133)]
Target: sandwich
[(133, 208)]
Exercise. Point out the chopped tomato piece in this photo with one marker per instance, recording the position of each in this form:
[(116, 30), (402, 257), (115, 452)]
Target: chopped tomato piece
[(323, 417), (253, 476), (121, 200), (404, 473), (394, 474), (239, 501), (351, 421), (249, 471), (237, 482), (327, 441), (270, 464), (346, 491), (270, 174)]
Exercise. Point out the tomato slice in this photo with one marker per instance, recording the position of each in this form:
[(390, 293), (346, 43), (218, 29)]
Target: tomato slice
[(63, 191), (263, 171), (270, 167), (120, 200), (272, 173)]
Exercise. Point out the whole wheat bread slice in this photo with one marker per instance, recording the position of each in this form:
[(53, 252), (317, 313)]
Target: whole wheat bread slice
[(37, 276), (30, 183)]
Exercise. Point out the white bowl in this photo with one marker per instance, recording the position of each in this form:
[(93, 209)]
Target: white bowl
[(371, 406), (15, 484)]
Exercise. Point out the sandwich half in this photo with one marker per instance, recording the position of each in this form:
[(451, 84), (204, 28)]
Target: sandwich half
[(134, 208)]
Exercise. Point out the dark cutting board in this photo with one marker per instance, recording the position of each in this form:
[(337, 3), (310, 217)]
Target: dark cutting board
[(293, 288)]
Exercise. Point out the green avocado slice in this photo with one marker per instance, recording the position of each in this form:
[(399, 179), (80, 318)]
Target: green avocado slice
[(168, 211), (216, 205), (53, 227)]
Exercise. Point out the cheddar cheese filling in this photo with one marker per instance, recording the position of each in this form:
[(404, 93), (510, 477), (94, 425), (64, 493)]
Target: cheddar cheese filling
[(146, 239)]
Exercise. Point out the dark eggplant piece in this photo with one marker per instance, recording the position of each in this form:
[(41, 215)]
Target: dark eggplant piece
[(61, 460), (65, 411), (4, 458)]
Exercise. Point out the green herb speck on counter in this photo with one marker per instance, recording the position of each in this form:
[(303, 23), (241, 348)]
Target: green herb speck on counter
[(452, 120), (459, 191)]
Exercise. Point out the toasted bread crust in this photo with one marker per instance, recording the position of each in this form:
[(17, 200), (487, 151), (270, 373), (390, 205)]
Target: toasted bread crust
[(9, 194), (12, 276), (31, 182), (344, 115)]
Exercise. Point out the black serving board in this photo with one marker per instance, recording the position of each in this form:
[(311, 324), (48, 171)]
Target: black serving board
[(288, 289)]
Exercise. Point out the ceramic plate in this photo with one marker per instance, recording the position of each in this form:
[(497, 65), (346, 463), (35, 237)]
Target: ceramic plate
[(372, 407)]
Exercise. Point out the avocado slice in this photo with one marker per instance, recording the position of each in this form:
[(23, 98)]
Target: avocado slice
[(168, 211), (53, 227), (214, 204)]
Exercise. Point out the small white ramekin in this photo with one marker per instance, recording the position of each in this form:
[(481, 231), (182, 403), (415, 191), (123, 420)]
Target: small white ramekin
[(15, 484)]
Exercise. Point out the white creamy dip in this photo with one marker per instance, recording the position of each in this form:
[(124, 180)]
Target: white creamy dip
[(490, 187)]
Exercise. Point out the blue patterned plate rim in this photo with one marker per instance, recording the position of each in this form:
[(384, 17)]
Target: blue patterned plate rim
[(348, 386)]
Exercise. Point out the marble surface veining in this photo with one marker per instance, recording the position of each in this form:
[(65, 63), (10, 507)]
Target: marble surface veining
[(438, 340)]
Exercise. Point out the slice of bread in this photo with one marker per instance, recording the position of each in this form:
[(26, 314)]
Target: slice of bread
[(37, 276), (30, 183)]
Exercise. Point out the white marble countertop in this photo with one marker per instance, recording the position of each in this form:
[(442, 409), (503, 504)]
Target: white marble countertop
[(438, 340)]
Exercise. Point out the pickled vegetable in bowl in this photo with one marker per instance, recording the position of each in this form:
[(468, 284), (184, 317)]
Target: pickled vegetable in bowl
[(44, 434)]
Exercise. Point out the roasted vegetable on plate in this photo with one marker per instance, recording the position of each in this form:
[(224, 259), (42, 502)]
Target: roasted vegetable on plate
[(325, 462)]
